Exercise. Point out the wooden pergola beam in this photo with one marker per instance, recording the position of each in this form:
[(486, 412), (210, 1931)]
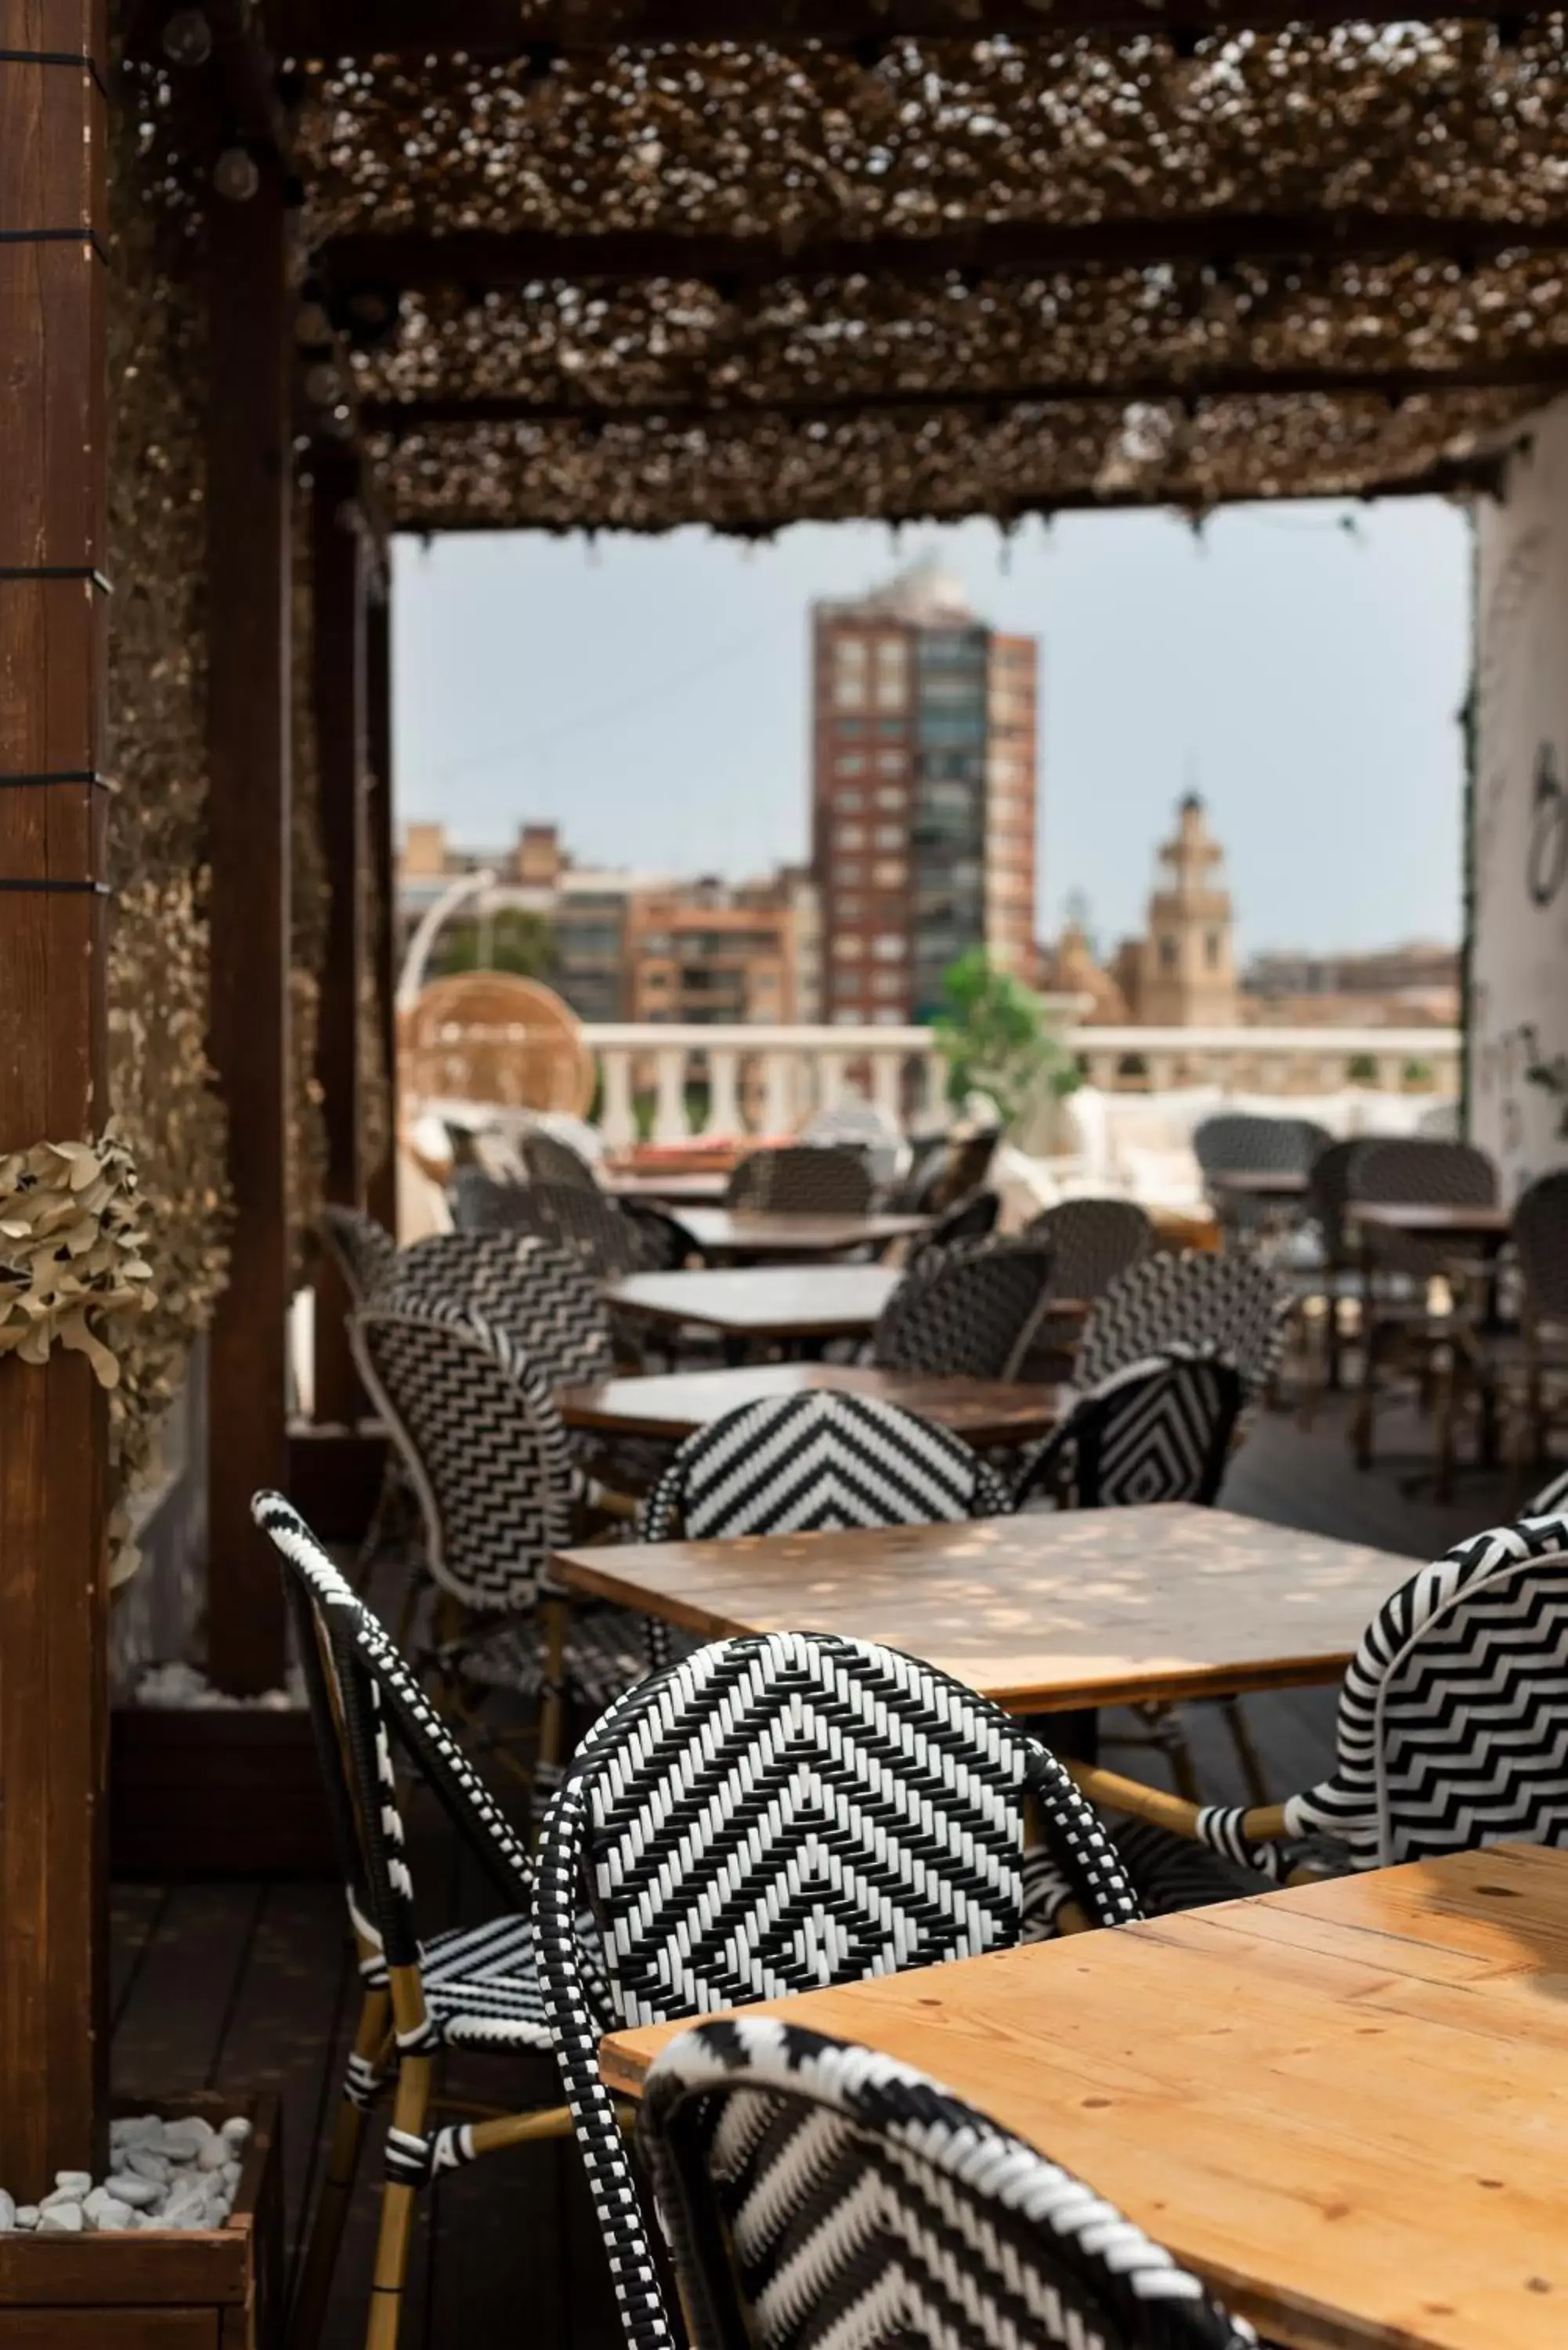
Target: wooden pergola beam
[(1543, 370), (490, 28), (54, 1584), (249, 634), (485, 260)]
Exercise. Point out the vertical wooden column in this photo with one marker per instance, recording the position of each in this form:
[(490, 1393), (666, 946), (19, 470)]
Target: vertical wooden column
[(53, 1049), (250, 457), (338, 685), (383, 947)]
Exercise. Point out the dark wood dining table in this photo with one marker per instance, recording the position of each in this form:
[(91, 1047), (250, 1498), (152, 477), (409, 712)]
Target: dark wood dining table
[(982, 1411), (743, 1236), (764, 1302)]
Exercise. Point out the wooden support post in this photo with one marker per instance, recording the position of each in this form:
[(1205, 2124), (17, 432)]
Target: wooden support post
[(338, 686), (53, 1071), (383, 947), (249, 582)]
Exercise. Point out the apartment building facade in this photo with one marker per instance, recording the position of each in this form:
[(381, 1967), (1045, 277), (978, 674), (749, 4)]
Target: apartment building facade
[(924, 796)]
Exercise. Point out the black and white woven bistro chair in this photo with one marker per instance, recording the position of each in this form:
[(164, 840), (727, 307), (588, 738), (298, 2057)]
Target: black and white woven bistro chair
[(1453, 1723), (1230, 1307), (1159, 1431), (968, 1312), (802, 1179), (365, 1251), (1091, 1242), (773, 1814), (489, 1462), (820, 1460), (815, 2192), (973, 1219), (473, 1987), (548, 1160), (1235, 1143)]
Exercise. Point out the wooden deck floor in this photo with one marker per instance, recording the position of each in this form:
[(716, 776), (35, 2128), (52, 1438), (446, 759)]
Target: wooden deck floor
[(253, 1986)]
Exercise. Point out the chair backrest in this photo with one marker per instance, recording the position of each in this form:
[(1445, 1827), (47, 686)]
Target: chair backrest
[(1158, 1431), (814, 2192), (802, 1179), (366, 1252), (965, 1165), (1417, 1170), (1091, 1242), (481, 1202), (1328, 1194), (541, 1296), (1195, 1304), (773, 1813), (818, 1459), (480, 1438), (912, 1195), (359, 1688), (1234, 1143), (548, 1160), (580, 1219), (973, 1219), (967, 1312), (1541, 1236)]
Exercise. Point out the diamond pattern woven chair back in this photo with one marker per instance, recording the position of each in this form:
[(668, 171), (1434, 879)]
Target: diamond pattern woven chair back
[(815, 2192), (1195, 1304), (1234, 1143), (550, 1160), (481, 1202), (1541, 1236), (1418, 1171), (366, 1252), (818, 1459), (1453, 1716), (802, 1179), (1091, 1242), (965, 1313), (773, 1813), (482, 1440), (538, 1295), (1158, 1431)]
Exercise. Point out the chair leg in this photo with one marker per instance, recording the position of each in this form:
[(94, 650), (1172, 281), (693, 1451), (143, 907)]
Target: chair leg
[(1164, 1724), (1247, 1754), (399, 2199), (337, 2181)]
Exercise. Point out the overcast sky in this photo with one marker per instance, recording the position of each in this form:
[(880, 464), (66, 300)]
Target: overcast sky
[(650, 697)]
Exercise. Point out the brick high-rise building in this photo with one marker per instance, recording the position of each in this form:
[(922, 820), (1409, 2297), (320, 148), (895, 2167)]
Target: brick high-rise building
[(923, 796)]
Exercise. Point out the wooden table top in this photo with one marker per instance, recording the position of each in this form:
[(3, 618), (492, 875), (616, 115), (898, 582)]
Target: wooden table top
[(834, 1301), (706, 1188), (721, 1232), (1045, 1612), (983, 1411), (1423, 1216), (1343, 2104), (1260, 1182)]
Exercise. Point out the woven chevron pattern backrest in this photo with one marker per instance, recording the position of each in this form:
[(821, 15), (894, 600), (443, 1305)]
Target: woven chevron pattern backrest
[(584, 1222), (1541, 1236), (481, 1202), (550, 1160), (802, 1179), (815, 2192), (482, 1440), (1091, 1242), (1420, 1171), (786, 1810), (374, 1685), (541, 1296), (1234, 1143), (1233, 1306), (967, 1313), (820, 1460), (1453, 1717), (1328, 1191), (366, 1252), (1158, 1431)]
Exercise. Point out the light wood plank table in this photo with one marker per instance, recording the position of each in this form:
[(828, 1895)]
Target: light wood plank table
[(724, 1232), (764, 1301), (1346, 2106), (982, 1411), (1054, 1611)]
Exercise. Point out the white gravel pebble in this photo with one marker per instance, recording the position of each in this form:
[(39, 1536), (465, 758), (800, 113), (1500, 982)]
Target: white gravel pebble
[(61, 2219), (147, 2166), (26, 2215), (215, 2154), (127, 2189), (237, 2129), (73, 2182), (183, 2140), (58, 2197), (135, 2129), (7, 2213), (106, 2210)]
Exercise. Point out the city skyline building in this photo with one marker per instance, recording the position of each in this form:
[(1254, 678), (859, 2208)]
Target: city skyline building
[(923, 796)]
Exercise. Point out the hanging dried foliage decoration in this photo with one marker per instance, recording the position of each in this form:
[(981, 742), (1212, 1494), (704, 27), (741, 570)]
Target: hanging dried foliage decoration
[(160, 1083), (647, 401)]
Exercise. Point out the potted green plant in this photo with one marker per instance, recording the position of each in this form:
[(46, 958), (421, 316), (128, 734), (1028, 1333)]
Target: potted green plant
[(998, 1041)]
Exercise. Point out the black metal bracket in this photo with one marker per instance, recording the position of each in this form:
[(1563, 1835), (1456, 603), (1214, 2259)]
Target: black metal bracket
[(74, 889), (76, 57), (88, 775), (58, 571)]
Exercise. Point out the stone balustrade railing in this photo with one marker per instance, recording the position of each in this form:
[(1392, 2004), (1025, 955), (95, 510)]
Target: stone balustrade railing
[(771, 1080)]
